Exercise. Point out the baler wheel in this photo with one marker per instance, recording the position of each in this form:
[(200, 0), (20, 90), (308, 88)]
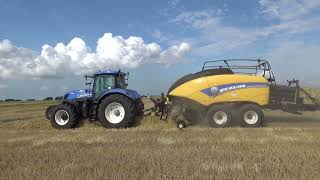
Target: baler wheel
[(219, 116), (250, 115)]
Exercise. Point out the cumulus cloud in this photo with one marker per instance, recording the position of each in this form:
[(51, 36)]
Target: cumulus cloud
[(77, 58)]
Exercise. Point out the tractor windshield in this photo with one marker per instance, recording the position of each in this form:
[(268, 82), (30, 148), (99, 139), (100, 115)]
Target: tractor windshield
[(103, 83)]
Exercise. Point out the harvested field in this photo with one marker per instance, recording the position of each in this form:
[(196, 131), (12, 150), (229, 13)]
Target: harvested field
[(288, 147)]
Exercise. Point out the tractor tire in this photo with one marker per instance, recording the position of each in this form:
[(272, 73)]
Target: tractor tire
[(49, 112), (116, 111), (65, 116), (219, 116), (250, 115)]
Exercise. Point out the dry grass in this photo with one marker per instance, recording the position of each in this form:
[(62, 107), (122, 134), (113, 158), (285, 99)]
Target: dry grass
[(287, 148), (314, 92)]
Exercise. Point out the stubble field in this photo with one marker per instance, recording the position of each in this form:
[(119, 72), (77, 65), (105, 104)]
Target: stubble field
[(287, 147)]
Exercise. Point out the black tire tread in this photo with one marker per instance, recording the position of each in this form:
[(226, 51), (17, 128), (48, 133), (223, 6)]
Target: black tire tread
[(73, 117), (126, 103), (253, 107), (216, 108), (49, 111)]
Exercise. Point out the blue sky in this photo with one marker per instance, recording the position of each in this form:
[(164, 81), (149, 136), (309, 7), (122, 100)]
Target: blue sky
[(45, 46)]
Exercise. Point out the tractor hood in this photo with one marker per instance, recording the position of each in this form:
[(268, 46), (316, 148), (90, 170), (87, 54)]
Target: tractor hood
[(84, 93), (76, 94)]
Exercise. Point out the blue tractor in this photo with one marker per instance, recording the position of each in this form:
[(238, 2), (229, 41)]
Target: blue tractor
[(108, 101)]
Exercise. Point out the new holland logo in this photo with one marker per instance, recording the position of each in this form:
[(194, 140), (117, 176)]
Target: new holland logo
[(239, 86), (214, 90), (217, 90)]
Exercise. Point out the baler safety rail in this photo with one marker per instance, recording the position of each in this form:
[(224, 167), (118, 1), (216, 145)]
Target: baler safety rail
[(257, 66)]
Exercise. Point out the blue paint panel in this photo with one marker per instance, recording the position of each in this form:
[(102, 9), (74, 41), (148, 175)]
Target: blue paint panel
[(127, 92), (218, 90), (81, 93)]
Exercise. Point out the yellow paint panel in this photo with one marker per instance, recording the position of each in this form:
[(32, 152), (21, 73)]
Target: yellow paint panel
[(258, 95), (193, 89), (233, 78)]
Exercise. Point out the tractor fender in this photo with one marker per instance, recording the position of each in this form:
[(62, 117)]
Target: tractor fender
[(73, 103), (70, 102), (133, 95)]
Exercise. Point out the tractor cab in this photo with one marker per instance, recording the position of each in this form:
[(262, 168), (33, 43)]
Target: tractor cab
[(107, 80), (102, 83)]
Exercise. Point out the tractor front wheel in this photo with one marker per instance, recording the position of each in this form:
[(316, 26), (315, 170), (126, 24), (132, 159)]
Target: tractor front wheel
[(49, 112), (116, 111), (64, 116)]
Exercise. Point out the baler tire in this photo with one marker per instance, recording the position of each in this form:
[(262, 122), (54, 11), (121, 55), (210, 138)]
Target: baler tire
[(73, 116), (125, 102), (256, 116), (223, 111)]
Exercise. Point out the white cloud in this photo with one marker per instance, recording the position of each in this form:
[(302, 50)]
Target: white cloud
[(76, 58), (294, 59), (160, 36), (216, 38), (288, 9)]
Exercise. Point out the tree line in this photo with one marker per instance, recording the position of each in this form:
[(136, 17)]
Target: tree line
[(44, 99)]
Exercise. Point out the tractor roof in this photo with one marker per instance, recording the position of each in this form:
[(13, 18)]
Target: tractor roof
[(110, 72)]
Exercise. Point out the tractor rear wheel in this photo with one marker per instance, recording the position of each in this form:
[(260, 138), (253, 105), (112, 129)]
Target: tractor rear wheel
[(250, 115), (116, 111), (64, 116), (219, 116)]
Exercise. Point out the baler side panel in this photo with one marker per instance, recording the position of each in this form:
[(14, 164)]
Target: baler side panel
[(192, 90), (237, 88)]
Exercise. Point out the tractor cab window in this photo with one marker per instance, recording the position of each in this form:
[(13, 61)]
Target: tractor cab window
[(103, 83), (120, 82)]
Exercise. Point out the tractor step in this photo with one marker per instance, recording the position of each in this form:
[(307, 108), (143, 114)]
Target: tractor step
[(93, 112)]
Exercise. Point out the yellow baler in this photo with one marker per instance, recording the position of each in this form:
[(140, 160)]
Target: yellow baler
[(221, 96)]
